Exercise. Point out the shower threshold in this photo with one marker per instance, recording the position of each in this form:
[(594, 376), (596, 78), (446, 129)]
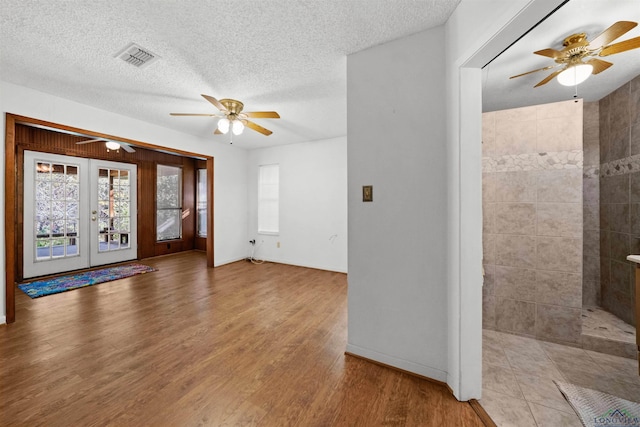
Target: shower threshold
[(606, 333)]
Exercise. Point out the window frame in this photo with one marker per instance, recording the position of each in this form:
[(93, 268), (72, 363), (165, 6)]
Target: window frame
[(180, 200), (261, 200)]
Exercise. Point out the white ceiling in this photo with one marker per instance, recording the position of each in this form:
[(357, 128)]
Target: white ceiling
[(283, 55), (577, 16)]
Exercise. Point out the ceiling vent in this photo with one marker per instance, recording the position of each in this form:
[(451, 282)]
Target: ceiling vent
[(137, 55)]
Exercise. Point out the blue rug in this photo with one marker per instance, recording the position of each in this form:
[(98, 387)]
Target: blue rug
[(69, 282)]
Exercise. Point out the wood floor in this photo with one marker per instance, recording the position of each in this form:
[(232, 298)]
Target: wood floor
[(237, 345)]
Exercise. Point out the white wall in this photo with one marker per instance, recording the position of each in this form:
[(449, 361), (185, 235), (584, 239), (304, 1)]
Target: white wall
[(230, 176), (477, 31), (397, 243), (313, 204)]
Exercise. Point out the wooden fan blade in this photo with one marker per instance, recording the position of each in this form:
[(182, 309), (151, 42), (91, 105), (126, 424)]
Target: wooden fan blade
[(611, 33), (217, 132), (548, 78), (127, 148), (189, 114), (535, 71), (215, 102), (262, 115), (633, 43), (257, 127), (551, 53), (89, 140), (598, 65)]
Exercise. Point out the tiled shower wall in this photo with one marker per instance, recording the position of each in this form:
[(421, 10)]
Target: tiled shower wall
[(619, 197), (591, 206), (532, 213)]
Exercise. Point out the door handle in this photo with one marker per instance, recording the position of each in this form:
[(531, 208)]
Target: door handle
[(93, 218), (94, 212)]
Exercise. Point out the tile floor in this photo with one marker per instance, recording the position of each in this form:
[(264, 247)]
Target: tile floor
[(518, 374)]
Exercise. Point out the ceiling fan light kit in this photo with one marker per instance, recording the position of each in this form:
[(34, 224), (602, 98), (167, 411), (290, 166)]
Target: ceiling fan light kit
[(578, 56), (112, 145), (575, 75), (233, 117)]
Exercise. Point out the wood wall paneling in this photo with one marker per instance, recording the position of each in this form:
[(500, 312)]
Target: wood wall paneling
[(49, 141), (10, 213)]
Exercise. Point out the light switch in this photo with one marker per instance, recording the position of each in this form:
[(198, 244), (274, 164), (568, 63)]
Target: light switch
[(367, 193)]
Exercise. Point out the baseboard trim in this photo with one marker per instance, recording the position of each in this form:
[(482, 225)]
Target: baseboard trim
[(315, 267), (3, 320), (482, 414)]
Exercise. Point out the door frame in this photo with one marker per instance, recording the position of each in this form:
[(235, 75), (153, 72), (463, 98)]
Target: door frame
[(12, 185)]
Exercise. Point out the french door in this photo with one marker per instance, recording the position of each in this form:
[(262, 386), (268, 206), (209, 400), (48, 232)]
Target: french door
[(78, 213)]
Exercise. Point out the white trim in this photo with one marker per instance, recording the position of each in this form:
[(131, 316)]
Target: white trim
[(425, 371), (296, 264), (229, 261), (3, 320)]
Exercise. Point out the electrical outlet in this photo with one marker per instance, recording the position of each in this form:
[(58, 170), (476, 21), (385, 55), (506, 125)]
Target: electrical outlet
[(278, 244)]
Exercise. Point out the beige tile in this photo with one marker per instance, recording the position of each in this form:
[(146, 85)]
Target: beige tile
[(489, 283), (533, 365), (488, 218), (618, 368), (516, 186), (559, 254), (489, 187), (591, 243), (522, 345), (559, 219), (563, 356), (591, 217), (515, 218), (489, 248), (501, 379), (559, 288), (516, 251), (515, 283), (605, 345), (494, 356), (543, 391), (515, 316), (558, 134), (515, 137), (562, 323), (564, 185), (507, 411), (549, 417), (591, 191), (488, 311)]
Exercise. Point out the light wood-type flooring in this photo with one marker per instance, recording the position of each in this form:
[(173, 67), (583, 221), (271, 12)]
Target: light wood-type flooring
[(237, 345)]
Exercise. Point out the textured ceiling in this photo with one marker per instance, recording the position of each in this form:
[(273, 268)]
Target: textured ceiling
[(577, 16), (283, 55)]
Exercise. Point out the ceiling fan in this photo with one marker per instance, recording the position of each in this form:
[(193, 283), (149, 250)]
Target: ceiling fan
[(111, 145), (233, 117), (578, 56)]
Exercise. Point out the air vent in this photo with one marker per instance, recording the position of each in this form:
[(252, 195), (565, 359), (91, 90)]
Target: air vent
[(137, 56)]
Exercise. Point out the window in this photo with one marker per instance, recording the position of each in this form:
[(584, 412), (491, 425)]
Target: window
[(201, 203), (168, 203), (269, 199)]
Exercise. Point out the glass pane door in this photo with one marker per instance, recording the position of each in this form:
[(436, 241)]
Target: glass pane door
[(54, 233), (77, 213), (113, 218)]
